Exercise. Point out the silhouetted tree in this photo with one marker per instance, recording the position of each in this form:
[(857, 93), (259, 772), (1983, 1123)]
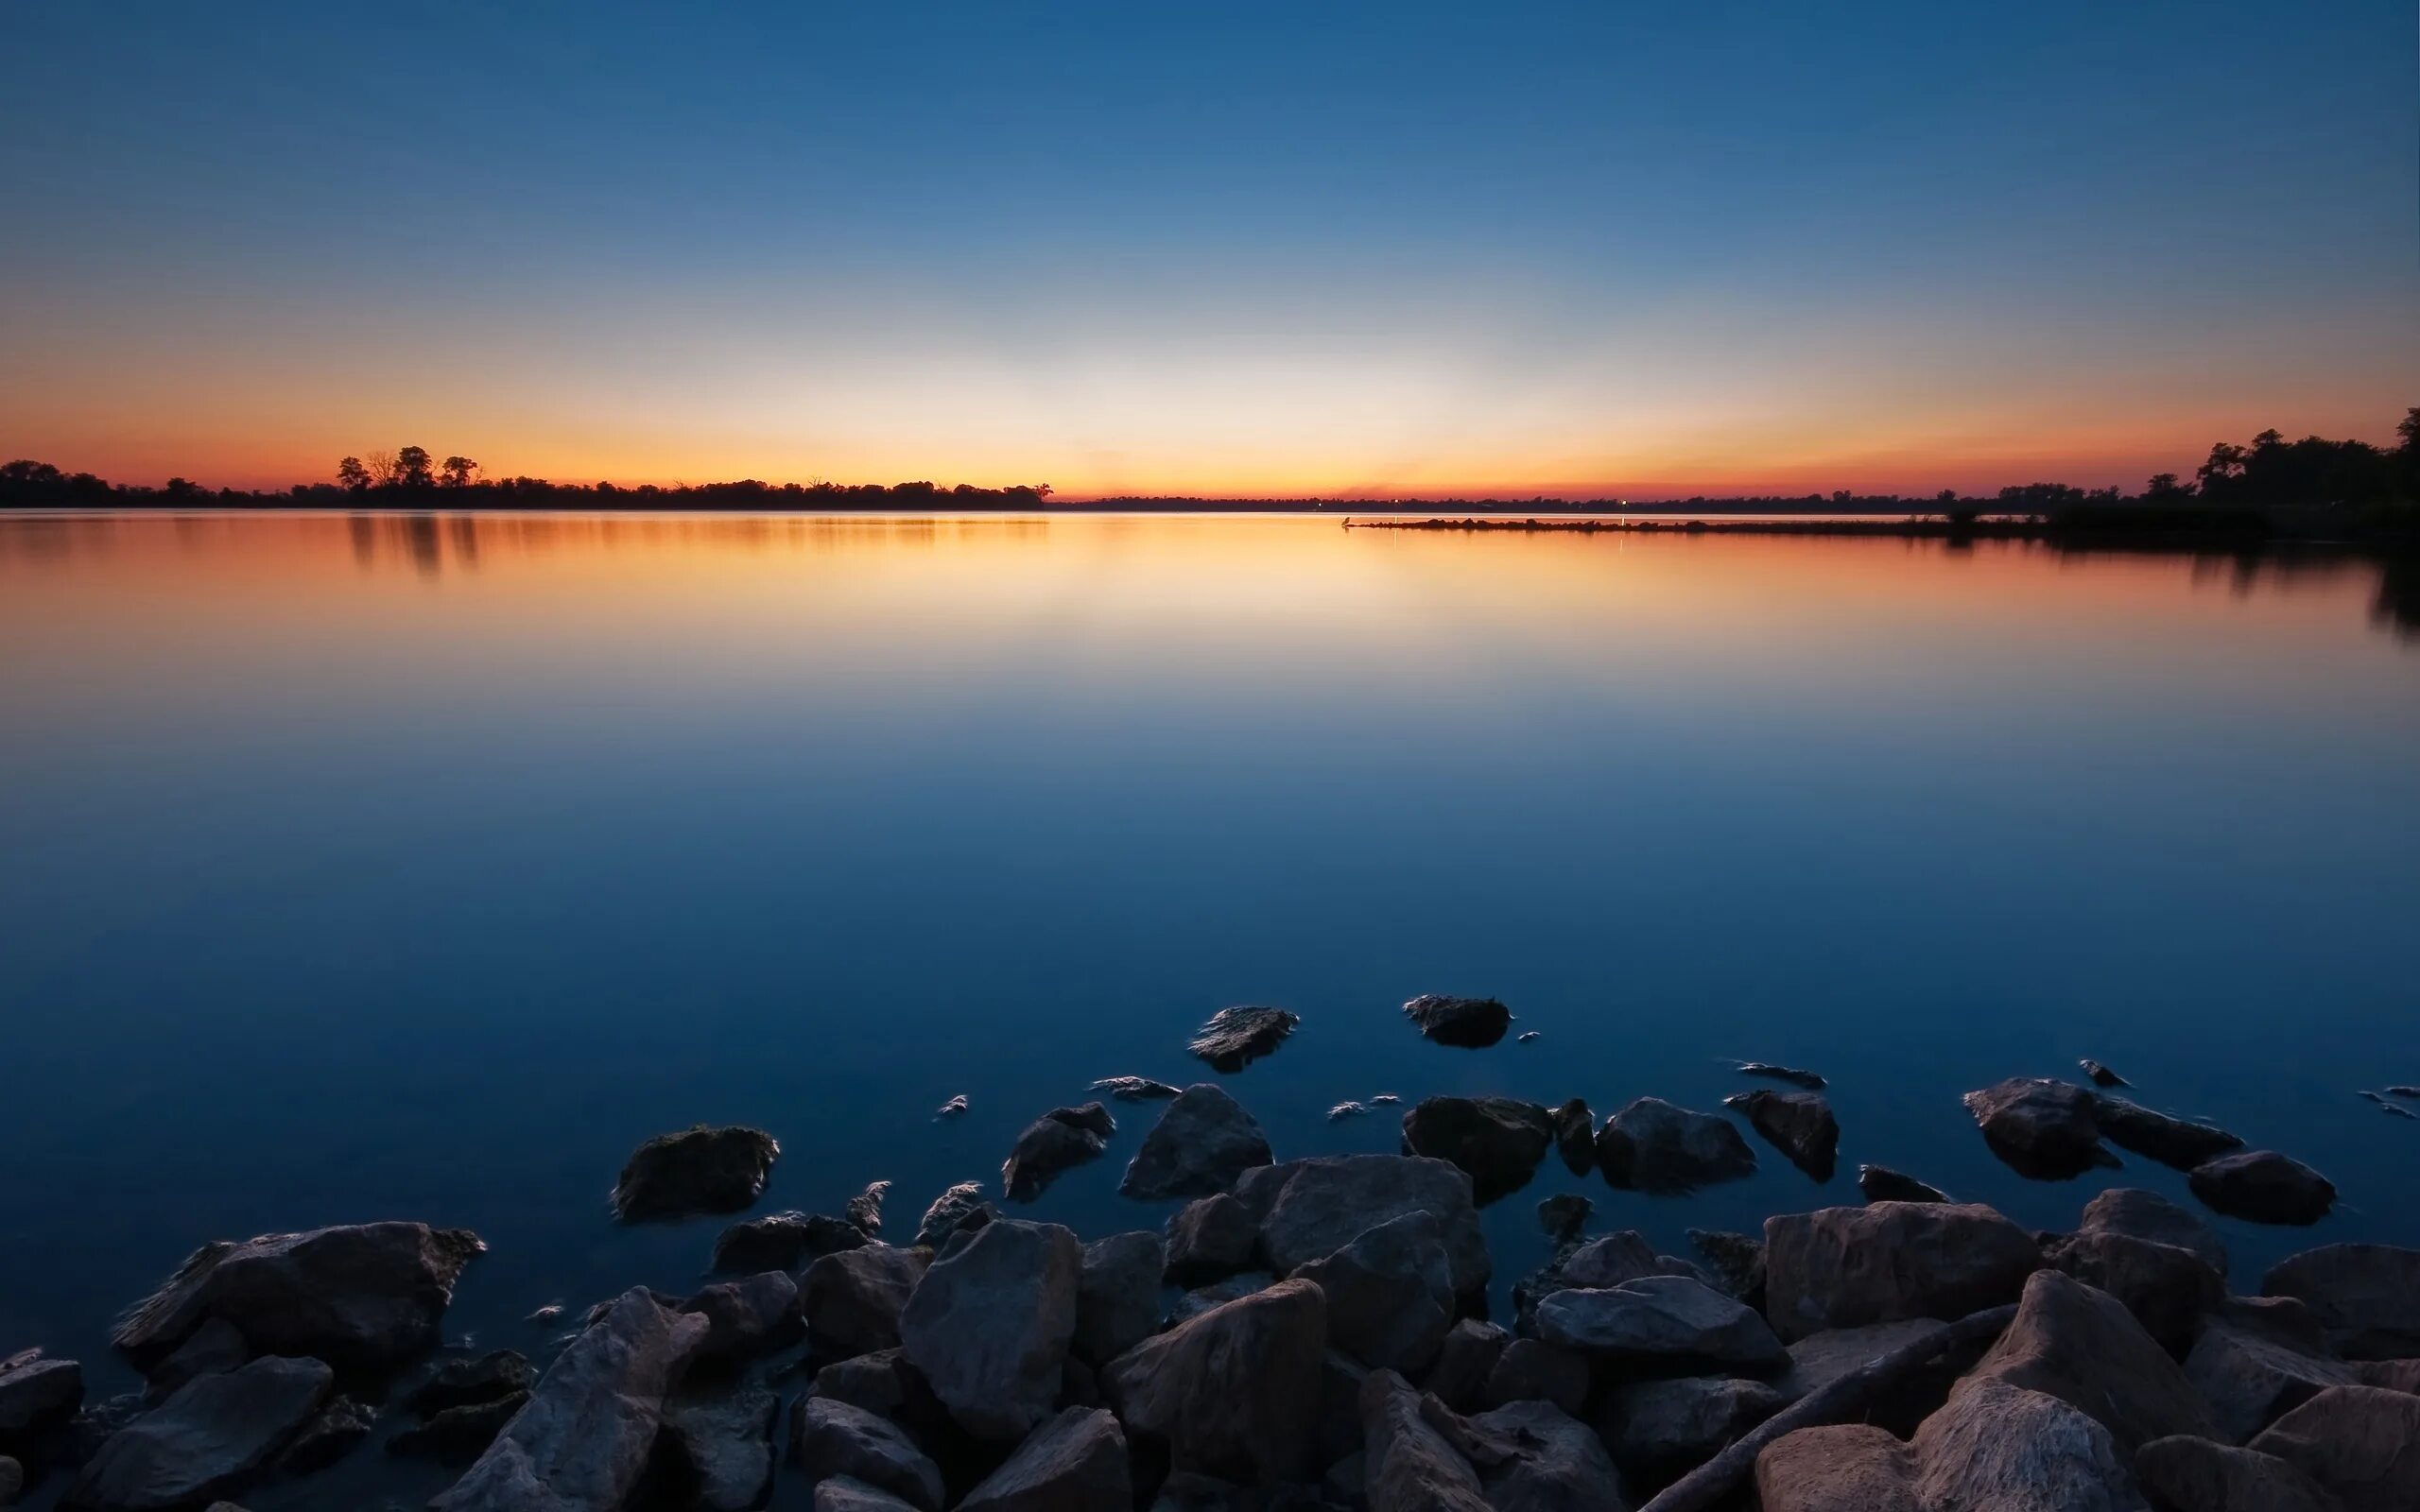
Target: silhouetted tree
[(352, 474), (412, 468), (458, 471)]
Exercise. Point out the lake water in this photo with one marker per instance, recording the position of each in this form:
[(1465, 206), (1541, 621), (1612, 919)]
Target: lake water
[(391, 866)]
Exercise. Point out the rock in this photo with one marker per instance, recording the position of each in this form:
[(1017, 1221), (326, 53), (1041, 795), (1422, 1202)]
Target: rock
[(851, 1299), (1658, 1429), (366, 1297), (1800, 1124), (2169, 1290), (1344, 1110), (1532, 1457), (2249, 1374), (1408, 1465), (2196, 1475), (339, 1428), (1496, 1140), (1879, 1183), (2040, 1128), (462, 1381), (581, 1442), (953, 1108), (2264, 1187), (12, 1481), (1796, 1078), (1234, 1392), (882, 1382), (1841, 1468), (697, 1170), (729, 1445), (1535, 1370), (1390, 1294), (458, 1435), (745, 1318), (217, 1432), (783, 1240), (1210, 1238), (2366, 1295), (1736, 1262), (2148, 1215), (990, 1325), (1999, 1447), (1384, 1100), (1346, 1482), (960, 1206), (1117, 1295), (2170, 1141), (1524, 1036), (1469, 1351), (1842, 1267), (1133, 1089), (215, 1347), (1662, 1319), (1563, 1215), (1653, 1147), (1819, 1359), (1312, 1208), (831, 1439), (2081, 1346), (1468, 1023), (2394, 1375), (1185, 1491), (2359, 1443), (1575, 1136), (1203, 1142), (2100, 1075), (1234, 1038), (1074, 1463), (37, 1393), (1340, 1427), (1056, 1143), (842, 1493), (1218, 1293)]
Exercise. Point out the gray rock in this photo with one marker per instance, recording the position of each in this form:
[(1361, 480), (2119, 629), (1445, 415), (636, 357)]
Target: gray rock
[(1658, 1429), (1468, 1023), (2045, 1129), (1531, 1457), (37, 1393), (783, 1240), (2366, 1295), (1653, 1146), (2359, 1443), (1838, 1467), (1800, 1124), (1999, 1447), (1218, 1293), (1234, 1038), (1133, 1089), (1791, 1074), (990, 1325), (2393, 1375), (2100, 1075), (1203, 1142), (1498, 1141), (831, 1439), (1469, 1353), (882, 1382), (1535, 1370), (1575, 1136), (2265, 1187), (1074, 1463), (1390, 1294), (217, 1432), (2170, 1141), (1565, 1214), (367, 1296), (1879, 1183), (1736, 1262), (216, 1345), (458, 1435), (1118, 1295), (695, 1169), (2251, 1372), (2169, 1290), (745, 1318), (464, 1380), (851, 1299), (1209, 1239), (959, 1207), (1666, 1318), (1406, 1464), (2081, 1346), (2141, 1214), (1610, 1261), (1819, 1359), (844, 1493), (1844, 1267), (1312, 1208), (1234, 1392), (1055, 1143), (729, 1444), (339, 1429), (581, 1442), (2196, 1475), (864, 1211)]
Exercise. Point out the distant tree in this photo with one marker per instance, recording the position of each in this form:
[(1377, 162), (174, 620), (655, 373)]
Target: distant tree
[(458, 471), (352, 474), (2408, 429), (412, 468), (382, 469), (2165, 488)]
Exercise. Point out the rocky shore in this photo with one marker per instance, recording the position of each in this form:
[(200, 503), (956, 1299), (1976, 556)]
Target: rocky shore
[(1314, 1334)]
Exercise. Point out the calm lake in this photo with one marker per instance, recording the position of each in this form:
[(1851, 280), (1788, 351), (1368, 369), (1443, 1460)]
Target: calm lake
[(409, 867)]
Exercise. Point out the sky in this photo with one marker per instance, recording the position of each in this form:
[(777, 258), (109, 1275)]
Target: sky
[(1348, 249)]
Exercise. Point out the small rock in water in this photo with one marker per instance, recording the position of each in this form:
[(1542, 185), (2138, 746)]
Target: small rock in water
[(1057, 1142), (865, 1209), (2264, 1187), (1203, 1142), (1881, 1184), (1344, 1110), (1653, 1146), (2413, 1092), (1791, 1074), (1800, 1124), (1133, 1089), (1524, 1036), (1385, 1100), (1565, 1214), (2101, 1075), (1467, 1023), (951, 1108), (2399, 1112), (697, 1170), (782, 1241), (1575, 1136), (1234, 1038), (551, 1313), (960, 1206)]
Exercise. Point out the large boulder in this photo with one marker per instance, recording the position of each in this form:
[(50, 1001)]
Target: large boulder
[(783, 1240), (1056, 1143), (366, 1297), (1838, 1467), (582, 1441), (1669, 1319), (728, 1442), (1532, 1457), (2081, 1346), (747, 1317), (1842, 1267), (1653, 1146), (215, 1434), (1074, 1463), (1800, 1124), (1734, 1262), (1999, 1447), (2357, 1442), (1470, 1350), (2169, 1290), (1309, 1209), (466, 1380), (2141, 1214), (2264, 1187), (1470, 1024), (989, 1324), (1913, 1395), (1658, 1429), (2196, 1475), (1211, 1237), (2253, 1364), (1390, 1294), (830, 1439), (1234, 1038), (2170, 1141), (1497, 1141), (2366, 1295), (1117, 1295), (1535, 1370), (851, 1299), (697, 1170), (1408, 1464), (458, 1435), (1203, 1142), (1234, 1392), (37, 1393), (2045, 1129)]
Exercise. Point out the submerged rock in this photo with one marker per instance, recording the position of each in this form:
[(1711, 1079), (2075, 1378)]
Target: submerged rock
[(851, 1299), (1468, 1023), (830, 1439), (1203, 1143), (1056, 1143), (1800, 1124), (1791, 1074), (953, 1108), (783, 1240), (2078, 1344), (2100, 1075), (2170, 1141), (1117, 1295), (1234, 1038), (2367, 1297), (1496, 1140), (2148, 1216), (1076, 1462), (1879, 1183), (1653, 1146), (1844, 1267), (729, 1444), (960, 1206), (1665, 1318), (1234, 1392), (1575, 1136), (217, 1432), (1524, 1036), (1390, 1294), (1133, 1089), (1565, 1214), (697, 1170), (2045, 1129), (1311, 1208), (2264, 1187), (989, 1324)]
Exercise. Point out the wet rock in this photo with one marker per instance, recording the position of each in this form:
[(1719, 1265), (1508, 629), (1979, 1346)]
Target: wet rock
[(851, 1299), (831, 1439), (1209, 1239), (882, 1382), (1791, 1074), (697, 1170), (990, 1325), (1564, 1215), (2100, 1075), (1535, 1370), (844, 1493), (959, 1207), (216, 1433), (2196, 1475), (1408, 1465), (337, 1431), (2367, 1297), (1384, 1100), (37, 1393), (1819, 1359), (1203, 1142), (1999, 1447), (2045, 1129), (864, 1211), (1524, 1036), (1117, 1295), (1234, 1038), (1653, 1147), (1312, 1208), (1800, 1124), (1842, 1267), (783, 1240), (1666, 1318), (2170, 1141), (1056, 1143), (2264, 1187), (1234, 1392), (729, 1444), (1218, 1293), (953, 1108), (1496, 1140), (745, 1318), (1468, 1023), (2148, 1216), (1610, 1261), (2081, 1346), (2169, 1290), (1735, 1261), (366, 1297), (2250, 1372), (1575, 1136), (1133, 1089), (458, 1435), (1344, 1110), (215, 1347), (2359, 1443), (1841, 1468), (1658, 1429), (463, 1381), (1879, 1183), (1470, 1350), (1074, 1463), (1532, 1457), (1390, 1294)]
